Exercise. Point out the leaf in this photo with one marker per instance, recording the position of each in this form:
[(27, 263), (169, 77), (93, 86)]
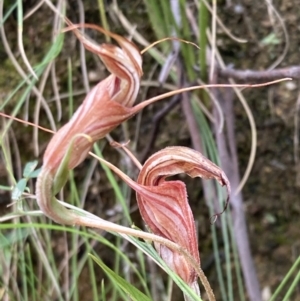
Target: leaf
[(19, 189), (270, 39), (147, 249), (6, 241), (129, 289), (34, 174), (29, 168)]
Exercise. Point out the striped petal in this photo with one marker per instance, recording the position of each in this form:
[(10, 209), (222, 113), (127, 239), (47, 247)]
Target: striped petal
[(164, 204)]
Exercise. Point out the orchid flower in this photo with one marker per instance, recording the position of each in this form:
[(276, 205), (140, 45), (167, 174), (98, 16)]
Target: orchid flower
[(105, 107), (164, 204)]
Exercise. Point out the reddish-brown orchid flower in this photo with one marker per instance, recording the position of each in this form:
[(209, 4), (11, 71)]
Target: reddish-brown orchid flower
[(106, 106), (164, 204)]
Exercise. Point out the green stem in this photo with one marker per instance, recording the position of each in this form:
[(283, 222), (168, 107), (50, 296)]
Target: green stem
[(286, 278)]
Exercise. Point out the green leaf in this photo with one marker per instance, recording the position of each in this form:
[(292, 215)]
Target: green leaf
[(129, 289), (35, 173), (29, 168), (149, 250), (19, 189), (7, 240), (270, 39)]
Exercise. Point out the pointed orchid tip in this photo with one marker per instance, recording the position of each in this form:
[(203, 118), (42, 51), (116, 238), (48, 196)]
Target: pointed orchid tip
[(214, 218)]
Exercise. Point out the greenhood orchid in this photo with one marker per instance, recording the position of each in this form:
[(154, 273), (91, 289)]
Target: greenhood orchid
[(163, 204)]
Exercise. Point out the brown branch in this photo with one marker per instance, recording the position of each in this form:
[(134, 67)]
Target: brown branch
[(227, 149), (156, 120), (263, 75)]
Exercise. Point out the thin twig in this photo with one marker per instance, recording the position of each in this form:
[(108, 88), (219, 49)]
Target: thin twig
[(220, 23), (20, 40), (57, 24), (156, 120), (261, 76), (285, 33), (82, 50), (296, 140), (229, 161), (23, 74)]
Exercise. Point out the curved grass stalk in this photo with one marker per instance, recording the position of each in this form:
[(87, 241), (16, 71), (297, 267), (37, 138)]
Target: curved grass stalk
[(294, 268), (252, 128), (285, 33), (20, 39), (220, 23), (30, 83)]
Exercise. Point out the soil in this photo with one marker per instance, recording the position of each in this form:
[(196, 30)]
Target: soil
[(271, 195), (272, 192)]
